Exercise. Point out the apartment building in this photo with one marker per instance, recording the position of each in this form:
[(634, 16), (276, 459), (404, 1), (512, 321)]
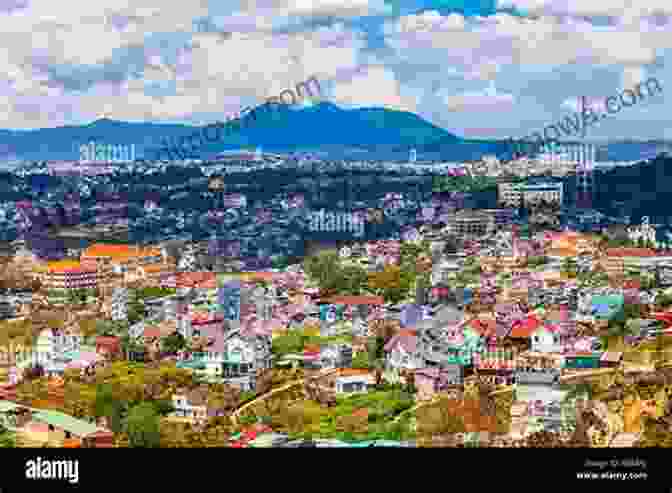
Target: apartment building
[(70, 274), (468, 224)]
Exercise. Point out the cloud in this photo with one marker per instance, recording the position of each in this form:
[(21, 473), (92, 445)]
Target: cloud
[(486, 100)]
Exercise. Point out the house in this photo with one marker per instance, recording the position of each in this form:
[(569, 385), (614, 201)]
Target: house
[(351, 380), (582, 360), (524, 330), (429, 381), (108, 346), (234, 356), (402, 351), (608, 307), (52, 427), (335, 356), (547, 339)]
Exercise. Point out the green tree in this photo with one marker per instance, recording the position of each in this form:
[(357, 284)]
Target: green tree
[(361, 360), (108, 405), (353, 280), (143, 426), (173, 343), (7, 438), (164, 407), (290, 343)]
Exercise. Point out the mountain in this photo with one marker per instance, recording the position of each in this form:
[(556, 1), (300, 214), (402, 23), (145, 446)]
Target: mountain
[(323, 125)]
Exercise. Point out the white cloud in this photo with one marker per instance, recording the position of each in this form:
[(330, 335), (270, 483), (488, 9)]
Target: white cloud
[(376, 86)]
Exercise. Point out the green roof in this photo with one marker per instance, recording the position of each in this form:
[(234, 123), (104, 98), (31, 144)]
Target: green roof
[(68, 423)]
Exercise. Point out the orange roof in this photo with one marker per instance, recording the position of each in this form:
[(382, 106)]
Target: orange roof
[(158, 268), (119, 252), (352, 372), (562, 252), (68, 266), (630, 252)]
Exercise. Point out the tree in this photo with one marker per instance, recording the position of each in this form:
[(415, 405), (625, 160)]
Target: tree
[(393, 283), (7, 438), (173, 343), (361, 360), (143, 426), (323, 267), (108, 405)]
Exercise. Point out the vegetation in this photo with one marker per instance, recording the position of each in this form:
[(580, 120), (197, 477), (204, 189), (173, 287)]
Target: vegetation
[(294, 342), (393, 283), (143, 426), (7, 438)]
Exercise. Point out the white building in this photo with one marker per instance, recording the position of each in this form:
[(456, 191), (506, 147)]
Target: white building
[(468, 224), (511, 193)]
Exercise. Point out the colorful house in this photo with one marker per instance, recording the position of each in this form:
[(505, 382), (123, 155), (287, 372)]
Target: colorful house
[(608, 307)]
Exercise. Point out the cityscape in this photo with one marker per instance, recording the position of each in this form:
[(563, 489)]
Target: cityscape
[(351, 268)]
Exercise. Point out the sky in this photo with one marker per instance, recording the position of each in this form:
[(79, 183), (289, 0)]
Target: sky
[(494, 68)]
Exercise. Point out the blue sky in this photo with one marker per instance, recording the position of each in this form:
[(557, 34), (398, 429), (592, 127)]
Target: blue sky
[(494, 68)]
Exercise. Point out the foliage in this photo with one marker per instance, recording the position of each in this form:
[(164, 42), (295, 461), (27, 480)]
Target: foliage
[(290, 343), (108, 405), (463, 183), (332, 277), (393, 283), (173, 343), (153, 292), (7, 438), (143, 426), (535, 261), (361, 360)]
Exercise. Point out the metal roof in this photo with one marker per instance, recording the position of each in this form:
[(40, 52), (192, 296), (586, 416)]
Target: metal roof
[(68, 423)]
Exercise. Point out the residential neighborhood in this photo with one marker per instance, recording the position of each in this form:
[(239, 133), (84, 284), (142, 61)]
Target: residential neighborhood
[(505, 341)]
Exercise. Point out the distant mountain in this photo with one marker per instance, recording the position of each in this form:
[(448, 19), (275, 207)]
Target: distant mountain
[(322, 125)]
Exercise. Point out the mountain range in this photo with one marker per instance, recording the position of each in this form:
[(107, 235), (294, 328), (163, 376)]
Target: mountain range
[(324, 129)]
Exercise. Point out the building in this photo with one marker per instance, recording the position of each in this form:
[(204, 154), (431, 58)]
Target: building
[(512, 193), (469, 224), (7, 308), (120, 258), (70, 274)]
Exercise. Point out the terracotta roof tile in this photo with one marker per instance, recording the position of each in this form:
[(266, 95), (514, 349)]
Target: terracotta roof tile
[(630, 252)]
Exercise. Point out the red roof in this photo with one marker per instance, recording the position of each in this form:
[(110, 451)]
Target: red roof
[(484, 327), (632, 284), (526, 327), (152, 332), (630, 252)]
